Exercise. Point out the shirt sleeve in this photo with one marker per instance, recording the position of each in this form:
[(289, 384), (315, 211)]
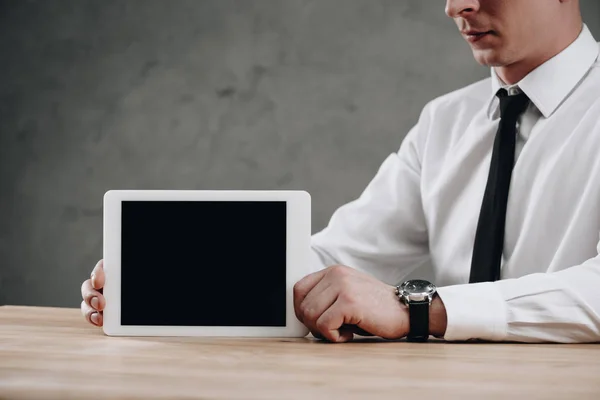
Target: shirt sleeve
[(562, 307), (383, 232)]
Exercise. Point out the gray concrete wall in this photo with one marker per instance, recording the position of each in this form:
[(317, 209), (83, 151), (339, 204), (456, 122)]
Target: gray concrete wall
[(204, 94)]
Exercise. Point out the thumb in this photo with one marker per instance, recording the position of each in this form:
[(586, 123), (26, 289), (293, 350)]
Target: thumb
[(98, 278)]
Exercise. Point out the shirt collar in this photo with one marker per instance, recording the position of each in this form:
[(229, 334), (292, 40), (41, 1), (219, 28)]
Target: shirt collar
[(548, 85)]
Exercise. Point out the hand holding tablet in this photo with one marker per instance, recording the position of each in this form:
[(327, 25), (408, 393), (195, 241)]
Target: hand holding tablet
[(216, 263)]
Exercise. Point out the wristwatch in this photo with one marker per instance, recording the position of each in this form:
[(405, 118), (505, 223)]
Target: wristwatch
[(417, 295)]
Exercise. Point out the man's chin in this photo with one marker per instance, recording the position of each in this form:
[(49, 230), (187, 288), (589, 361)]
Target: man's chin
[(488, 57)]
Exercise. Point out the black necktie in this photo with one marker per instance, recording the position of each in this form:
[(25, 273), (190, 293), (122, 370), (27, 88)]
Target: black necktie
[(489, 238)]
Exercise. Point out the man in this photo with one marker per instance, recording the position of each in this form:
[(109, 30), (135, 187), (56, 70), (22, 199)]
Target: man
[(498, 186)]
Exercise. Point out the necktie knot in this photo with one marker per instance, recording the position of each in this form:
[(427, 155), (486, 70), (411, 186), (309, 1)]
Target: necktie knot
[(512, 106)]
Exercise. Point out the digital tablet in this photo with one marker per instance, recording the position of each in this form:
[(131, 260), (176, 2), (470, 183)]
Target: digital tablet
[(204, 263)]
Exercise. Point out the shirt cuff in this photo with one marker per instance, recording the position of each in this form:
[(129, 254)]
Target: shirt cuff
[(474, 311)]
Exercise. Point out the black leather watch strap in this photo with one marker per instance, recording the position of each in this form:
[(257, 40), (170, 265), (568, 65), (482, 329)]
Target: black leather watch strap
[(419, 321)]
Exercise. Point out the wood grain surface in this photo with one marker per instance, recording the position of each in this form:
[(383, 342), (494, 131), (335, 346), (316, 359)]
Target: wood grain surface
[(51, 353)]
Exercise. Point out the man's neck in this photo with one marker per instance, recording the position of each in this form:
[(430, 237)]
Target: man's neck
[(513, 73)]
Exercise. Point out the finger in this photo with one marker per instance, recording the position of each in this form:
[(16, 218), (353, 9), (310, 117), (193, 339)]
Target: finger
[(331, 324), (303, 286), (315, 296), (92, 297), (92, 316), (97, 276), (316, 302)]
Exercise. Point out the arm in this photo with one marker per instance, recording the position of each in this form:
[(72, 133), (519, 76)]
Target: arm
[(561, 307), (369, 245), (383, 232)]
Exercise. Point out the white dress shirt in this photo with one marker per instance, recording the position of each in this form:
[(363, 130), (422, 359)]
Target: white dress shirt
[(423, 205)]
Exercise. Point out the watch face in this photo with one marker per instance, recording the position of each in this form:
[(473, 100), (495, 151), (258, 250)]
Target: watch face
[(418, 286)]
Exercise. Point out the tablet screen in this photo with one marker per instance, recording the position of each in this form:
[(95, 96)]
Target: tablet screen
[(203, 263)]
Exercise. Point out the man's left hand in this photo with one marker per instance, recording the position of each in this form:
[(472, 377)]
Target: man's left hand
[(339, 301)]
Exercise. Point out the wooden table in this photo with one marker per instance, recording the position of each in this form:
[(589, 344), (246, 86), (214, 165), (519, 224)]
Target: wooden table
[(51, 353)]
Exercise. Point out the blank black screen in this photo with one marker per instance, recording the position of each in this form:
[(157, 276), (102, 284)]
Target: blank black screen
[(203, 263)]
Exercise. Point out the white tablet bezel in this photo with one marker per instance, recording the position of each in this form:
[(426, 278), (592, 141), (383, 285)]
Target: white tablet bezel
[(298, 248)]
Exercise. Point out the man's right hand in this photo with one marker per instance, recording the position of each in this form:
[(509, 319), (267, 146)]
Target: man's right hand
[(93, 301)]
